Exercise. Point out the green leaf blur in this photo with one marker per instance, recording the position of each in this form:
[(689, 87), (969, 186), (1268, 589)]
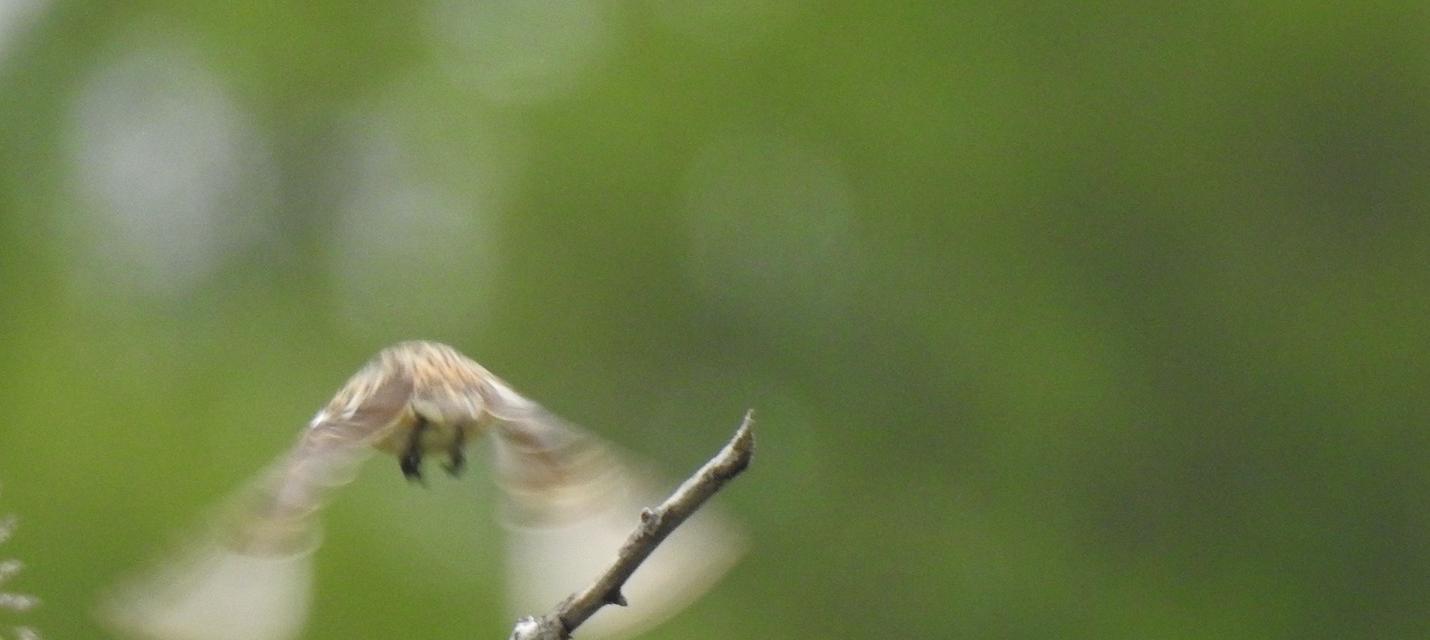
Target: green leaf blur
[(1090, 321)]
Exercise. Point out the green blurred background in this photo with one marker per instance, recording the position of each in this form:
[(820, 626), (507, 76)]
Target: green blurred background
[(1096, 321)]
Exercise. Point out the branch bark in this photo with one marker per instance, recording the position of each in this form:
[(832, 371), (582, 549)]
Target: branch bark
[(655, 525)]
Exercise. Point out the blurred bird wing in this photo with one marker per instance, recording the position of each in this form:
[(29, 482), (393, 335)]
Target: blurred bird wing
[(247, 575), (571, 501)]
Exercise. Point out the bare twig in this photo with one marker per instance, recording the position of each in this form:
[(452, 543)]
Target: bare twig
[(655, 525)]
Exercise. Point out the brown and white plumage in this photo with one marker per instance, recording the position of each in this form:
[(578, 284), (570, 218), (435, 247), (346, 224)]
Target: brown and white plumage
[(570, 500)]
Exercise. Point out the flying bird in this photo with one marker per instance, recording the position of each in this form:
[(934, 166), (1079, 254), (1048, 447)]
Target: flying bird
[(570, 499)]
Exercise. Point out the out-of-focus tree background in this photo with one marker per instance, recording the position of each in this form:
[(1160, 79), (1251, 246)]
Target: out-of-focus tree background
[(1097, 321)]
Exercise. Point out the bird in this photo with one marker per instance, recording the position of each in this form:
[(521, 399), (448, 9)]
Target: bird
[(569, 499)]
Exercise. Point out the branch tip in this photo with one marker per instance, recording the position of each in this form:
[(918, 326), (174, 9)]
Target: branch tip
[(655, 524)]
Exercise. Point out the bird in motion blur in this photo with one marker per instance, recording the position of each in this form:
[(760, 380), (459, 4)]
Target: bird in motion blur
[(570, 499)]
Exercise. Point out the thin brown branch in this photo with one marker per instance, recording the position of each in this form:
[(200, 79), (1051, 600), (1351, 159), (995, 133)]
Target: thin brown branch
[(655, 525)]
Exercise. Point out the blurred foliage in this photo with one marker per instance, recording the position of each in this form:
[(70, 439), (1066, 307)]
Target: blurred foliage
[(1089, 321)]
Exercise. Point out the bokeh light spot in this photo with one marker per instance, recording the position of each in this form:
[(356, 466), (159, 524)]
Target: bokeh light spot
[(169, 173), (519, 52), (407, 252)]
